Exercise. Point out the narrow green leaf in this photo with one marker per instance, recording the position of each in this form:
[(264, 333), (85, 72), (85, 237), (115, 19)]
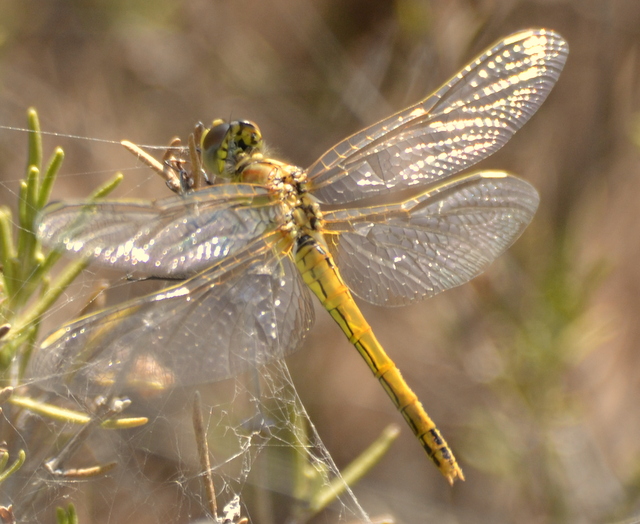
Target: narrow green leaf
[(73, 516), (51, 295), (356, 470), (35, 139), (61, 516), (7, 250), (22, 212), (26, 227), (107, 188), (4, 459), (33, 179), (49, 177), (71, 416), (4, 475)]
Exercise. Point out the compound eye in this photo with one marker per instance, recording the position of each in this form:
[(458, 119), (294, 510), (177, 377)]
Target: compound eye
[(212, 141)]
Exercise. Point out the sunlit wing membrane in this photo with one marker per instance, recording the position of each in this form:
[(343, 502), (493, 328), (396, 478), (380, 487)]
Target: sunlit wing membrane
[(466, 120), (172, 238), (240, 314), (397, 254)]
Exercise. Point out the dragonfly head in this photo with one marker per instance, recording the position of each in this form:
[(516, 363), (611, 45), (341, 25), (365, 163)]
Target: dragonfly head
[(225, 144)]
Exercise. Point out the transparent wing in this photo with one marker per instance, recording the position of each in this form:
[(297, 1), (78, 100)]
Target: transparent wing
[(172, 238), (398, 254), (241, 313), (466, 120)]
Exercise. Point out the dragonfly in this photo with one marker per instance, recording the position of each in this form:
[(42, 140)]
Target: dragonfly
[(388, 215)]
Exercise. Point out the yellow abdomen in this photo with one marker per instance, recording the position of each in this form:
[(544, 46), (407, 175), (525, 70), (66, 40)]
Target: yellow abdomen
[(321, 275)]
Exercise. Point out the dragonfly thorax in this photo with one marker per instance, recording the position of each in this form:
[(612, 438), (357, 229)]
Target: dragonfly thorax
[(234, 150), (287, 184)]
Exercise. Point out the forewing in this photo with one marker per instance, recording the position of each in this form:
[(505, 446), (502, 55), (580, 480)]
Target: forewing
[(176, 237), (398, 254), (466, 120), (244, 312)]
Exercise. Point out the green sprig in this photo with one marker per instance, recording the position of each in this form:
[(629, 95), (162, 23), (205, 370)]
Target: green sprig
[(25, 269)]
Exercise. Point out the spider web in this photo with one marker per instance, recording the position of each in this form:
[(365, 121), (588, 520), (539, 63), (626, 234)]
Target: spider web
[(267, 460), (265, 455)]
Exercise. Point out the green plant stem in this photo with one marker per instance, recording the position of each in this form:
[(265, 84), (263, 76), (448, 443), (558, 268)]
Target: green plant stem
[(71, 416), (356, 470), (4, 475), (7, 251), (35, 139), (49, 177)]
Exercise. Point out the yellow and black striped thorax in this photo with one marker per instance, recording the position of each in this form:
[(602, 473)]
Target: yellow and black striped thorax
[(235, 151)]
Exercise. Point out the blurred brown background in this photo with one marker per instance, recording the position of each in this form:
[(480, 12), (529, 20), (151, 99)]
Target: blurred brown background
[(532, 372)]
